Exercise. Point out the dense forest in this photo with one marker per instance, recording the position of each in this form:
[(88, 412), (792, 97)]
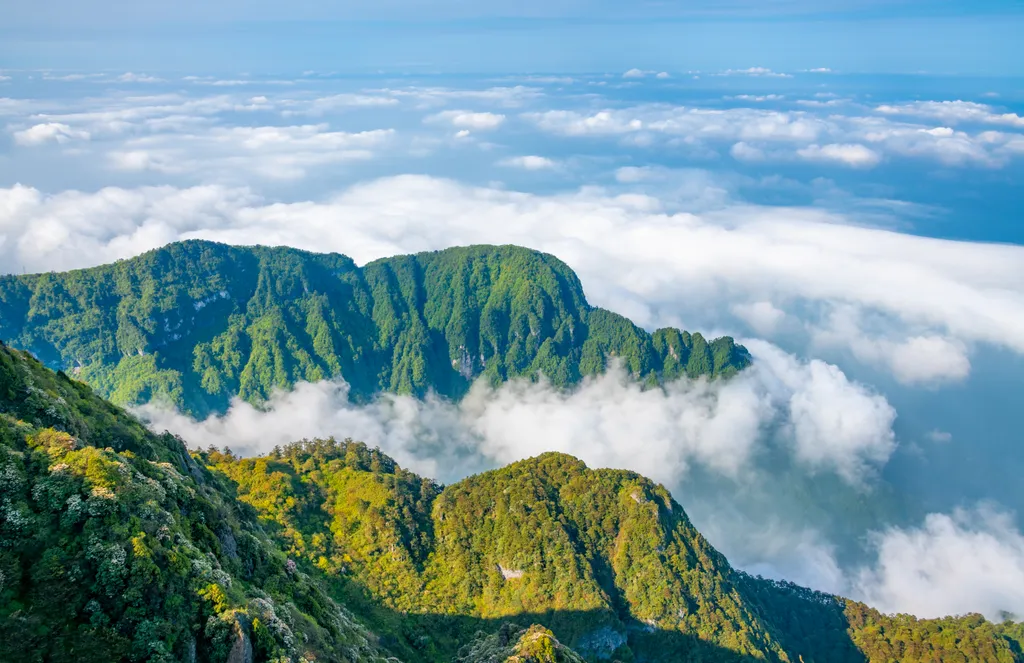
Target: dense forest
[(117, 544), (196, 323)]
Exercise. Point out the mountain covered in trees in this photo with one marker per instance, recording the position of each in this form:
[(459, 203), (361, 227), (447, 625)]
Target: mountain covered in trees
[(196, 323), (117, 544)]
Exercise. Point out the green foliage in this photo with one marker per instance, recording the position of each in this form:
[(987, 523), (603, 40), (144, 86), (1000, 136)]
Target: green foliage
[(605, 559), (116, 546), (510, 645), (197, 323), (596, 554), (820, 627), (907, 638)]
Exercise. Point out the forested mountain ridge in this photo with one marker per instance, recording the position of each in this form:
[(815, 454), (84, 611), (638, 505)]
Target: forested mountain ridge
[(197, 323), (606, 559), (115, 545), (118, 545)]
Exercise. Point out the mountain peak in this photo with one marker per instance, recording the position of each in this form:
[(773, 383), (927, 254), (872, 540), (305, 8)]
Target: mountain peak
[(197, 323), (119, 546)]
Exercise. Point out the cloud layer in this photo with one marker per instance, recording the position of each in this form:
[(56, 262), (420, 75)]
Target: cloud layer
[(812, 410), (913, 305)]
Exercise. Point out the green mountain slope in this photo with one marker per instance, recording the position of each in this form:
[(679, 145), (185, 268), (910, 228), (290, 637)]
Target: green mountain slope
[(119, 545), (198, 323), (604, 558), (116, 546)]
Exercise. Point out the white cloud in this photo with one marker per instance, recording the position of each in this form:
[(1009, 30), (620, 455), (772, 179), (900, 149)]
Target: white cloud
[(758, 98), (338, 102), (69, 78), (837, 425), (892, 289), (509, 97), (129, 77), (133, 115), (820, 70), (469, 120), (742, 151), (720, 425), (755, 71), (929, 359), (852, 140), (272, 152), (50, 132), (763, 317), (853, 155), (529, 162), (952, 112), (641, 73), (913, 359), (689, 124), (969, 561), (940, 436)]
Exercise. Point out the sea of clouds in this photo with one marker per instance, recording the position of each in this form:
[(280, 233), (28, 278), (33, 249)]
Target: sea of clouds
[(154, 160)]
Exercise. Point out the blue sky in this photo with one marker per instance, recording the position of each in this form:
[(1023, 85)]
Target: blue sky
[(836, 184), (484, 37)]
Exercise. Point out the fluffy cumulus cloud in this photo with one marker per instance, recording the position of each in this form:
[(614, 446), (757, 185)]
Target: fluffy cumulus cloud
[(469, 120), (130, 77), (856, 156), (530, 162), (916, 305), (835, 424), (913, 359), (336, 102), (827, 421), (49, 132), (967, 561)]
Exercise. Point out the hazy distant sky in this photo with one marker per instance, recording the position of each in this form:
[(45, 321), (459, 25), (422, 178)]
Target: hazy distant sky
[(937, 36)]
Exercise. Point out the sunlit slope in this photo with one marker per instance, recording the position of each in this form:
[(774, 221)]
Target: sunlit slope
[(115, 545), (604, 558)]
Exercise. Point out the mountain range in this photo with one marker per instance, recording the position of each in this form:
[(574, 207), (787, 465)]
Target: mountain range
[(197, 323), (121, 544)]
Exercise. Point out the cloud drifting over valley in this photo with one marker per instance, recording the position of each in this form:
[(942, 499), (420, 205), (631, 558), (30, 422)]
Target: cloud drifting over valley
[(951, 564), (812, 410)]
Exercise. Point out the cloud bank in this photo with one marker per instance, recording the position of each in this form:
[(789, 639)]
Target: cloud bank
[(691, 257), (813, 410), (967, 561)]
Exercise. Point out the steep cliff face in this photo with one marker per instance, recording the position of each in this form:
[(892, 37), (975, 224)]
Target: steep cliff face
[(197, 323)]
